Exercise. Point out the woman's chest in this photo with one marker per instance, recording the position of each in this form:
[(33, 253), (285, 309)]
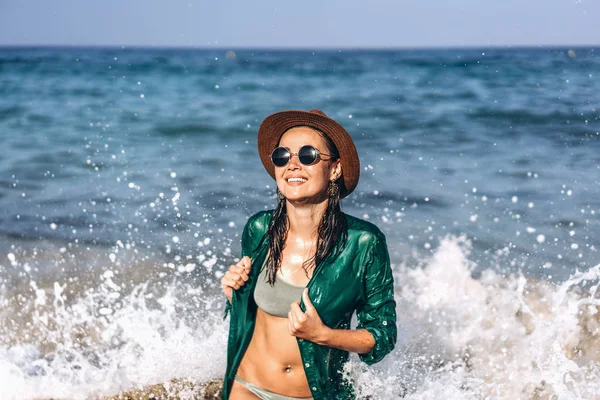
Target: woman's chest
[(335, 287), (297, 262)]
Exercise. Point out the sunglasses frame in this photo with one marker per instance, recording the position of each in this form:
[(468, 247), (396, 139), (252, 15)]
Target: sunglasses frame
[(291, 154)]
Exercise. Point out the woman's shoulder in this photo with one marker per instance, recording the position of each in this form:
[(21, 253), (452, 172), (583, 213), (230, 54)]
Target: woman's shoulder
[(363, 230), (259, 222), (255, 230)]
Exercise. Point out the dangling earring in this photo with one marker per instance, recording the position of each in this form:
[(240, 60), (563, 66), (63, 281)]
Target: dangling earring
[(281, 196), (334, 189)]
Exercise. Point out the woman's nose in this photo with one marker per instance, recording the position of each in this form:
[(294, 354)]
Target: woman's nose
[(294, 162)]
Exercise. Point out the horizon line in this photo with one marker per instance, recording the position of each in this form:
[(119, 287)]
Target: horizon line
[(304, 48)]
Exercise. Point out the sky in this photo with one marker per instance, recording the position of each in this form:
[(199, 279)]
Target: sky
[(301, 24)]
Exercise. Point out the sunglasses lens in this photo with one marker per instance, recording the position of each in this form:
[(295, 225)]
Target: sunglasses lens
[(280, 156), (308, 155)]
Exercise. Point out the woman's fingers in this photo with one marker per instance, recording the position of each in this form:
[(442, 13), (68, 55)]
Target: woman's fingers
[(243, 275), (237, 274), (297, 317), (245, 263), (228, 281), (295, 309), (292, 323), (237, 279), (307, 303)]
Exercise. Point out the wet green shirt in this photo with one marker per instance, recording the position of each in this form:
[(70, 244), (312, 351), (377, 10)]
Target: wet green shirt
[(359, 278)]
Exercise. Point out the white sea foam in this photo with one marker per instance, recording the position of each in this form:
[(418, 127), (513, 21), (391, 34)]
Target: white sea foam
[(105, 342), (491, 338), (494, 337)]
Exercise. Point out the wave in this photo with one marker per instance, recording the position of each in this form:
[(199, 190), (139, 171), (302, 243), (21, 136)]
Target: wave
[(528, 117), (13, 111), (389, 197), (496, 336)]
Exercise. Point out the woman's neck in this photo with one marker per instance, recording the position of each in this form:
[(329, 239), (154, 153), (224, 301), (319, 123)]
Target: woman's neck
[(304, 219)]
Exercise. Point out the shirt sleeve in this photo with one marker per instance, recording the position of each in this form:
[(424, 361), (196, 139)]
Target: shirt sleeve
[(377, 314)]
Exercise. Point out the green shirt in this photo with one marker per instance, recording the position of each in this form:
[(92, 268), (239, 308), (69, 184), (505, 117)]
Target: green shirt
[(359, 278)]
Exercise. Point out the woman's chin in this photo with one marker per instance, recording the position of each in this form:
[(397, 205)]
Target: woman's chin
[(299, 199)]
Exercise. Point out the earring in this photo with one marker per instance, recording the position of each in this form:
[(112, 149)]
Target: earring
[(281, 196), (334, 189)]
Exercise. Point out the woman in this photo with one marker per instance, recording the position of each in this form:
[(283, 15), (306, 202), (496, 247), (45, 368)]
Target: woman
[(305, 268)]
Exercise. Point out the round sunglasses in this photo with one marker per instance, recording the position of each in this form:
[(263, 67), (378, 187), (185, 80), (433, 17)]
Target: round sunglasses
[(307, 155)]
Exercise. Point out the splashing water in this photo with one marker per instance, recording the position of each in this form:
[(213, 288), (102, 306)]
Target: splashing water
[(495, 337), (492, 338), (107, 341)]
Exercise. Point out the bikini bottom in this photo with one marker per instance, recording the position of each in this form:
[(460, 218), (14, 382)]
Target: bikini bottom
[(263, 394)]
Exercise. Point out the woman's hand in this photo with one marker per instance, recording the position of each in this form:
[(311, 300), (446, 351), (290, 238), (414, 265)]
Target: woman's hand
[(306, 325), (236, 276)]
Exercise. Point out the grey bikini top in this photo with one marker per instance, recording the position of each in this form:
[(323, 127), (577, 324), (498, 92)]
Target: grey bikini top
[(276, 300)]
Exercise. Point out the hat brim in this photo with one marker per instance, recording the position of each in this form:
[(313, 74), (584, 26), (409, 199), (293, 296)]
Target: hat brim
[(275, 125)]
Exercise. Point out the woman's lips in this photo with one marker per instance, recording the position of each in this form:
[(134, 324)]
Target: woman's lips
[(296, 181)]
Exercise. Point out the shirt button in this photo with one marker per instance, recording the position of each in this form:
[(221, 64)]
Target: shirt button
[(314, 389), (307, 365), (302, 340), (384, 323)]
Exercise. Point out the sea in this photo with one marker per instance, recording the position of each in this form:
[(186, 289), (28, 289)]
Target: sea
[(127, 175)]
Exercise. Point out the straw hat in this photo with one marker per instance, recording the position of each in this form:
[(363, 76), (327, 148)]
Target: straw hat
[(275, 125)]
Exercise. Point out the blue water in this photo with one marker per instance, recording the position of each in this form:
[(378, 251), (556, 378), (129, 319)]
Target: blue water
[(447, 139), (132, 161)]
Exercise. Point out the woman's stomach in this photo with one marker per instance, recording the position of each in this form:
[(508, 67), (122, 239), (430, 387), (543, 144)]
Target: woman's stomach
[(272, 360)]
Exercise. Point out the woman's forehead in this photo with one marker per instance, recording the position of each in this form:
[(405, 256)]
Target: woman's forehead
[(300, 136)]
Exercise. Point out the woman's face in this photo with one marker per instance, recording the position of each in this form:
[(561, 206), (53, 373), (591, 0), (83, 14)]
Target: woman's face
[(315, 177)]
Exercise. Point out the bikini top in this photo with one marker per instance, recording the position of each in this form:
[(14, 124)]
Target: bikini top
[(276, 300)]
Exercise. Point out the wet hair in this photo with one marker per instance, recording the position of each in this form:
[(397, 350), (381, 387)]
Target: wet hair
[(333, 227)]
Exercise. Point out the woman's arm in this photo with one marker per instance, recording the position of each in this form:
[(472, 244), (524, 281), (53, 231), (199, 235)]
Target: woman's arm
[(377, 314), (308, 325), (357, 341)]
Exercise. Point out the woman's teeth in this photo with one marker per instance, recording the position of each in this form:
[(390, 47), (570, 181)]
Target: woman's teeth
[(296, 180)]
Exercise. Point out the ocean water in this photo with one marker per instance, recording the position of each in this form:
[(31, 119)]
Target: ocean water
[(126, 177)]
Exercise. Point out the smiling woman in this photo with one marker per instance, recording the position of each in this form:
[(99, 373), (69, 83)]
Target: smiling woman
[(306, 268), (302, 180)]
